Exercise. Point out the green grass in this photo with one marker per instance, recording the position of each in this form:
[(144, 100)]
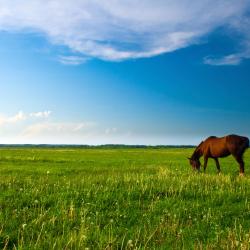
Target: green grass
[(120, 199)]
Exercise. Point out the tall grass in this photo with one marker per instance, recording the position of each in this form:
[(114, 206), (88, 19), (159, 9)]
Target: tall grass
[(120, 199)]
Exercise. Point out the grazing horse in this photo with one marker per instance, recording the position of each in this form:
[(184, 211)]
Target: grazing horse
[(214, 147)]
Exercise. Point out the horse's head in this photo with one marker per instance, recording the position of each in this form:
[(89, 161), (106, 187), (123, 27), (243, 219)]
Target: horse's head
[(195, 163)]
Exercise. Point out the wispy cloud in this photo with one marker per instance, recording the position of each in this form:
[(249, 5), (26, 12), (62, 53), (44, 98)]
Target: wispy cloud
[(21, 116), (118, 30), (234, 59), (71, 133), (72, 60), (110, 131), (43, 114), (57, 128), (241, 27), (41, 127)]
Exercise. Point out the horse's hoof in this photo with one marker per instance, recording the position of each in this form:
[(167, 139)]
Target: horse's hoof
[(241, 175)]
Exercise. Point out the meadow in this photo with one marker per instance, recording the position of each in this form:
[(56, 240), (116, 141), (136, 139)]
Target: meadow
[(126, 198)]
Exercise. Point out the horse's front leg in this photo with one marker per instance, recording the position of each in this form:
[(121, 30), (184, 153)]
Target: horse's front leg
[(205, 163), (217, 164)]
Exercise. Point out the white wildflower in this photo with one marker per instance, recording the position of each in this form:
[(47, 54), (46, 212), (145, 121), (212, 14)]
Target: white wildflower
[(130, 243)]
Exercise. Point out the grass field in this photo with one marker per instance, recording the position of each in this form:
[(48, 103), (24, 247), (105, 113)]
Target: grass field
[(66, 198)]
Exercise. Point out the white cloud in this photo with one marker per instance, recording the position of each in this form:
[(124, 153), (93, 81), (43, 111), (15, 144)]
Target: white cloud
[(71, 133), (43, 114), (20, 116), (110, 131), (40, 127), (57, 128), (72, 60), (241, 27), (121, 29), (233, 59)]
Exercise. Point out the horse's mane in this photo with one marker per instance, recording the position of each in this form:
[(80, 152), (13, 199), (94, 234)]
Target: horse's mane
[(198, 147), (200, 144), (196, 153)]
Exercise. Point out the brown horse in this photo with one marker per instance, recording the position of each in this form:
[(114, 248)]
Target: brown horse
[(214, 147)]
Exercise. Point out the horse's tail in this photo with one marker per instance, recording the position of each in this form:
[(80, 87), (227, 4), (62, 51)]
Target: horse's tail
[(247, 142)]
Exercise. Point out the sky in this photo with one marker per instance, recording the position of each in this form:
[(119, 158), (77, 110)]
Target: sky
[(123, 71)]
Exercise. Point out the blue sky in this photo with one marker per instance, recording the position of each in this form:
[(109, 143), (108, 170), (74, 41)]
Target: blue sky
[(88, 72)]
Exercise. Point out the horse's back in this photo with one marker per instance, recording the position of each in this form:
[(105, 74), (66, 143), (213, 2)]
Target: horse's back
[(229, 139), (224, 146), (236, 142), (211, 137), (215, 147)]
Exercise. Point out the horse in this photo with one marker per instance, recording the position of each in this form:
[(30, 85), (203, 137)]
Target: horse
[(215, 147)]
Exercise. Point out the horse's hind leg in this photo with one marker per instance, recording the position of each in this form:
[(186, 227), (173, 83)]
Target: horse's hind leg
[(217, 164), (239, 159)]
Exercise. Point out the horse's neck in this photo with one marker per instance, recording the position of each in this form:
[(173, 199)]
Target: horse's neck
[(197, 153)]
